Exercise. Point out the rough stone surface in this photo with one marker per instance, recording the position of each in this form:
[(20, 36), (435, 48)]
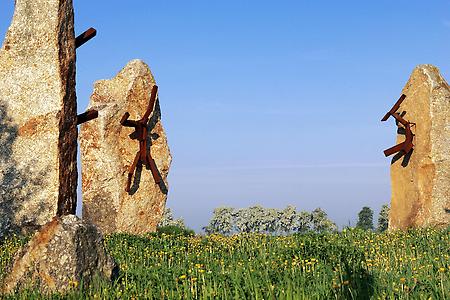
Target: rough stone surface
[(107, 152), (421, 186), (38, 135), (61, 255)]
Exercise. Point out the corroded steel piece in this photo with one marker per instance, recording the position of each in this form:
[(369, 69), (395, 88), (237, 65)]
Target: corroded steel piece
[(87, 116), (85, 37)]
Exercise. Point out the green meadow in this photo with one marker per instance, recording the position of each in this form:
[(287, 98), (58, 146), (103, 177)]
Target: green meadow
[(351, 264)]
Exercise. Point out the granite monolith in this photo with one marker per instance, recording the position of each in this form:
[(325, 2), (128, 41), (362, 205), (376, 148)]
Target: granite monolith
[(108, 150), (38, 134)]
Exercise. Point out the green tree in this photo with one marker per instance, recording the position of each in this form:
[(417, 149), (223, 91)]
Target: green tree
[(365, 218), (320, 221), (383, 219)]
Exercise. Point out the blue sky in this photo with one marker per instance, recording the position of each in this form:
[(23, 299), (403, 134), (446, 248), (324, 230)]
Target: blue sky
[(265, 102)]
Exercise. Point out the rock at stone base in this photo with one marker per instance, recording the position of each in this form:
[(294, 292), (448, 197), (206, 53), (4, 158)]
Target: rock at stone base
[(108, 150), (421, 182), (61, 254), (38, 133)]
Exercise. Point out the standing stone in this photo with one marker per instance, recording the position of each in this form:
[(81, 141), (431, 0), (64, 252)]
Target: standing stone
[(38, 134), (61, 255), (107, 151), (421, 185)]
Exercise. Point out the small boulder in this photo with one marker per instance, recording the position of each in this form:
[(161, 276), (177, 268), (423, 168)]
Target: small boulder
[(61, 254)]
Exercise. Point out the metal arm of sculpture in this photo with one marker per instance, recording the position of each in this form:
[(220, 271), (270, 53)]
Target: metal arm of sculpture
[(394, 108), (87, 116), (85, 37)]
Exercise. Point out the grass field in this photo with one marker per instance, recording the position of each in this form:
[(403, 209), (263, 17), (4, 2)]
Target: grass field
[(351, 264)]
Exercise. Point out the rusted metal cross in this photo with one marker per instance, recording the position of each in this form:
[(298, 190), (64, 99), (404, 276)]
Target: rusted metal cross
[(406, 146), (143, 156)]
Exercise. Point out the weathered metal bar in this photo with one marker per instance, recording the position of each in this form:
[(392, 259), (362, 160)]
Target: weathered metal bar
[(394, 108), (400, 119), (87, 116), (151, 104), (143, 143), (393, 150), (128, 123), (409, 136), (405, 146), (85, 37), (131, 171), (154, 169)]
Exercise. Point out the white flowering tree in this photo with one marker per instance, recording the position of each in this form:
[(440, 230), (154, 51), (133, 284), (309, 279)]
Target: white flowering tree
[(227, 220), (320, 221), (222, 221), (287, 220), (303, 223), (244, 220), (168, 220)]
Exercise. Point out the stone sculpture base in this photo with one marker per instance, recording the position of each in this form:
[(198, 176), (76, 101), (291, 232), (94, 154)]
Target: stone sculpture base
[(108, 150)]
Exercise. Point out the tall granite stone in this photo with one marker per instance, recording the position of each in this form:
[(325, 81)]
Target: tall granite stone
[(108, 149), (38, 134), (421, 183)]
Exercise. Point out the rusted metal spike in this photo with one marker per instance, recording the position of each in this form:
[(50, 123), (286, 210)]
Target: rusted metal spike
[(400, 119), (131, 172), (87, 116), (394, 108), (85, 37), (395, 149), (154, 169), (409, 136), (151, 104), (124, 118), (128, 123)]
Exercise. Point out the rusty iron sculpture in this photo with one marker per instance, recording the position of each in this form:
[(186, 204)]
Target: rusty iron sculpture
[(143, 156), (407, 146)]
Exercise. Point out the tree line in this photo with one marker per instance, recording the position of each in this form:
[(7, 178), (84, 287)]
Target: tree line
[(229, 220)]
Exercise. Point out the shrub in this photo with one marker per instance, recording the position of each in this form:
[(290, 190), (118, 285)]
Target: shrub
[(174, 230)]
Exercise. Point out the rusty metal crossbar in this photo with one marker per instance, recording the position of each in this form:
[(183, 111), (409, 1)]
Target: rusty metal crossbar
[(85, 37), (394, 108), (406, 146), (87, 116), (143, 156)]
